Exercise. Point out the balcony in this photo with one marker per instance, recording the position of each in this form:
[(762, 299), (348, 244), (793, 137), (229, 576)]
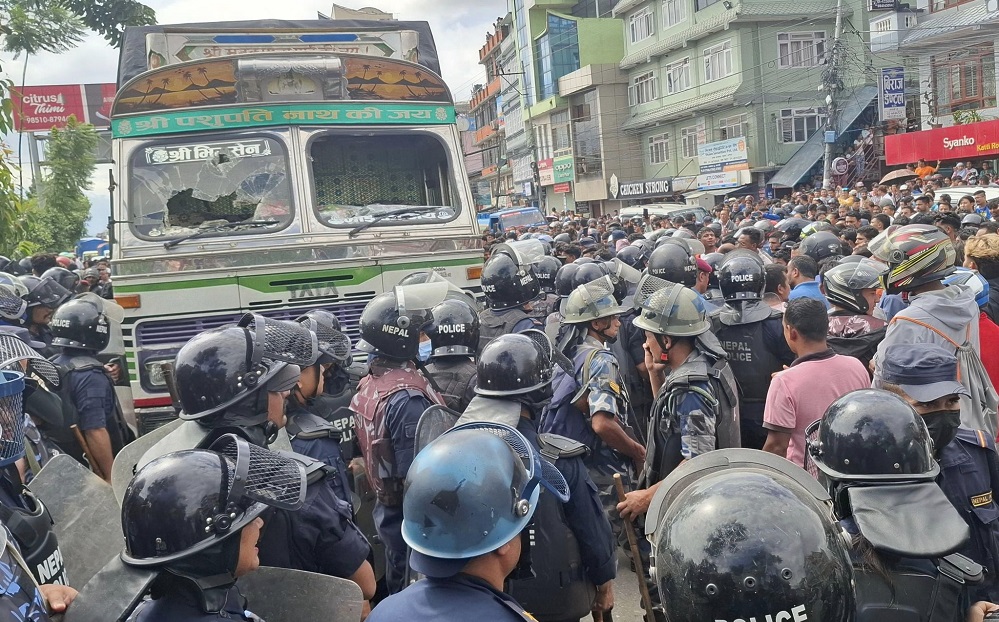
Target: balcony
[(485, 132), (485, 94)]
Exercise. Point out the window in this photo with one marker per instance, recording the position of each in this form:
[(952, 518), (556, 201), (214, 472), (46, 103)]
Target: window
[(882, 25), (642, 25), (586, 136), (678, 76), (940, 5), (801, 49), (558, 54), (542, 141), (674, 12), (703, 4), (643, 89), (965, 80), (560, 131), (796, 125), (718, 61), (689, 141), (659, 148), (732, 127), (910, 21)]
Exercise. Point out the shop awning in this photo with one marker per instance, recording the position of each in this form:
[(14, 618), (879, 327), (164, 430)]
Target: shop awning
[(808, 154)]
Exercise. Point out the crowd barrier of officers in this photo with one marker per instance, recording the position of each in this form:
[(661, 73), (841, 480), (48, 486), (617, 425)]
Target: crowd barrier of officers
[(680, 405)]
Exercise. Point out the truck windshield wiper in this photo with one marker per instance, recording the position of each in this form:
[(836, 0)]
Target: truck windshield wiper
[(217, 228), (396, 212)]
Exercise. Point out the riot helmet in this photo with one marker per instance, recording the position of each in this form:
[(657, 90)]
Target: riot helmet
[(969, 220), (915, 254), (84, 322), (23, 267), (12, 294), (562, 238), (719, 553), (185, 502), (432, 276), (565, 278), (820, 245), (454, 330), (507, 284), (592, 301), (845, 283), (742, 276), (816, 227), (674, 263), (4, 262), (634, 256), (454, 510), (589, 272), (518, 364), (44, 292), (220, 367), (334, 346), (64, 277), (11, 417), (18, 353), (392, 322), (545, 271), (670, 309)]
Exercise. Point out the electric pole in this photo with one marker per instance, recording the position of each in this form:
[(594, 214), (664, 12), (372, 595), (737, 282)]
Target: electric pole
[(832, 85)]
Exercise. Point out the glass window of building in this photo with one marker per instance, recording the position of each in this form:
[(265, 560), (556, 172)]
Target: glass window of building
[(558, 54), (796, 125), (642, 25), (965, 79), (643, 89), (674, 12), (586, 136), (659, 148), (732, 127), (703, 4), (678, 76), (561, 139), (801, 49), (688, 141), (718, 61)]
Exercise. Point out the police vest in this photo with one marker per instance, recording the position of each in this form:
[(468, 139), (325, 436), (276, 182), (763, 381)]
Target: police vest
[(118, 431), (32, 529), (369, 405), (303, 427), (752, 359), (452, 375), (559, 589), (492, 323), (544, 306), (916, 595)]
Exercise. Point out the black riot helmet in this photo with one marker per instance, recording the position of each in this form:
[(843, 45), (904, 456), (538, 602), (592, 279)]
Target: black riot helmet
[(84, 322), (4, 262), (518, 364), (714, 260), (845, 283), (64, 277), (392, 322), (220, 367), (722, 554), (634, 256), (545, 270), (185, 502), (589, 272), (820, 245), (507, 284), (674, 263), (564, 279), (454, 330), (742, 276), (44, 292), (839, 444), (334, 346)]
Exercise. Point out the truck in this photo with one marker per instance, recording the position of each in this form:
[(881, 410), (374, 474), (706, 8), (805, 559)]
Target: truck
[(276, 167)]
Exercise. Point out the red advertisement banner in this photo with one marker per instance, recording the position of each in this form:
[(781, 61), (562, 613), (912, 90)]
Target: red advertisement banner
[(40, 108), (957, 142)]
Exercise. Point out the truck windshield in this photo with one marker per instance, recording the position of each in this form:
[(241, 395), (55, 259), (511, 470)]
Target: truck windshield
[(185, 188), (362, 179)]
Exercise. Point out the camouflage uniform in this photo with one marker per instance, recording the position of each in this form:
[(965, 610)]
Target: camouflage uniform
[(21, 602)]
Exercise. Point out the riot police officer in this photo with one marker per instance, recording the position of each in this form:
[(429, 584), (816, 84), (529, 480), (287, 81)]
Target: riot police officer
[(388, 405), (573, 561), (236, 380), (742, 535), (510, 286), (696, 409), (672, 261), (454, 336), (545, 270), (82, 328), (751, 332), (464, 523), (43, 297), (22, 598), (310, 434), (194, 517)]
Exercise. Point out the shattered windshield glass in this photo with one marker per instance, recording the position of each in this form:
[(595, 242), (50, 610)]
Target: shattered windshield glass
[(183, 188), (382, 180)]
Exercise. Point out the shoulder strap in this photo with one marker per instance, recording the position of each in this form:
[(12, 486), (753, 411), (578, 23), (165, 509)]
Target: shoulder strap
[(308, 426), (555, 446), (927, 326), (954, 573)]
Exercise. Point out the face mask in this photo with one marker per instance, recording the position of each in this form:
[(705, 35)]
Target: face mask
[(426, 348), (942, 425)]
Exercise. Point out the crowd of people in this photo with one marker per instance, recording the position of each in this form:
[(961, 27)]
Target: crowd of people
[(781, 411)]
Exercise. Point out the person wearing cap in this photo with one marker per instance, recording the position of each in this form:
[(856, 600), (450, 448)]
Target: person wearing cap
[(925, 376), (794, 399)]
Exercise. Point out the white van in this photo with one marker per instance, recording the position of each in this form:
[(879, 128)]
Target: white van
[(667, 210)]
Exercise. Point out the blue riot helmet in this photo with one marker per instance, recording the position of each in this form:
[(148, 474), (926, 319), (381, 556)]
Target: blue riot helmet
[(454, 510), (11, 417)]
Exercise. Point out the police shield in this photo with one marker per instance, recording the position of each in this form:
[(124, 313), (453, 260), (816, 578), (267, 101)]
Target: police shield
[(284, 595), (125, 462), (434, 421), (85, 517)]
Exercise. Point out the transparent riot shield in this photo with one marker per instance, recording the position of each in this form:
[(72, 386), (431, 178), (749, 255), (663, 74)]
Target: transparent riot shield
[(434, 421), (125, 462), (283, 595)]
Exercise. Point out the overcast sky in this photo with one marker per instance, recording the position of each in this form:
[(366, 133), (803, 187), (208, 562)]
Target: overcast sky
[(459, 27)]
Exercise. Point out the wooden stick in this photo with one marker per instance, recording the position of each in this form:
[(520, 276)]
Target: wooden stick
[(633, 543)]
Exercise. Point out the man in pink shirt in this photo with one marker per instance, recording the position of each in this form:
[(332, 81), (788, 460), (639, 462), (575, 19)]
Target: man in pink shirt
[(818, 377)]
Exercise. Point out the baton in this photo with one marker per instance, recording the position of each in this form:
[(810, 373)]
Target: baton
[(86, 450), (633, 543)]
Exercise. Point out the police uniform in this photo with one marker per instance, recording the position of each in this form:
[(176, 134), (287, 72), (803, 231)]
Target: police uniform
[(20, 600), (461, 596), (969, 474), (455, 377), (317, 438), (629, 351), (182, 606), (545, 306), (492, 323), (31, 527), (92, 394)]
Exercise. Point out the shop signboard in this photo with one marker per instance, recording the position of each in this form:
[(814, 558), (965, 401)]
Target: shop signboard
[(723, 155), (564, 168), (957, 142), (562, 188), (546, 172), (891, 94), (716, 181), (643, 189), (41, 108)]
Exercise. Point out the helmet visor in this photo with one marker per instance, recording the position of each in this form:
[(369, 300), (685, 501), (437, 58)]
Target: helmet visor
[(625, 272), (11, 417), (262, 475), (524, 252), (49, 293), (280, 340), (416, 301), (13, 352), (549, 351), (647, 287), (111, 309)]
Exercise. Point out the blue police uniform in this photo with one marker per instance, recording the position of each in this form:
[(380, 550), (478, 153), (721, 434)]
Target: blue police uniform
[(459, 597), (92, 394), (183, 606), (20, 600), (327, 450), (969, 474)]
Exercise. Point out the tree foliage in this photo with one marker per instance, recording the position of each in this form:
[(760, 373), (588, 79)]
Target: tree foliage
[(59, 216), (58, 25)]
